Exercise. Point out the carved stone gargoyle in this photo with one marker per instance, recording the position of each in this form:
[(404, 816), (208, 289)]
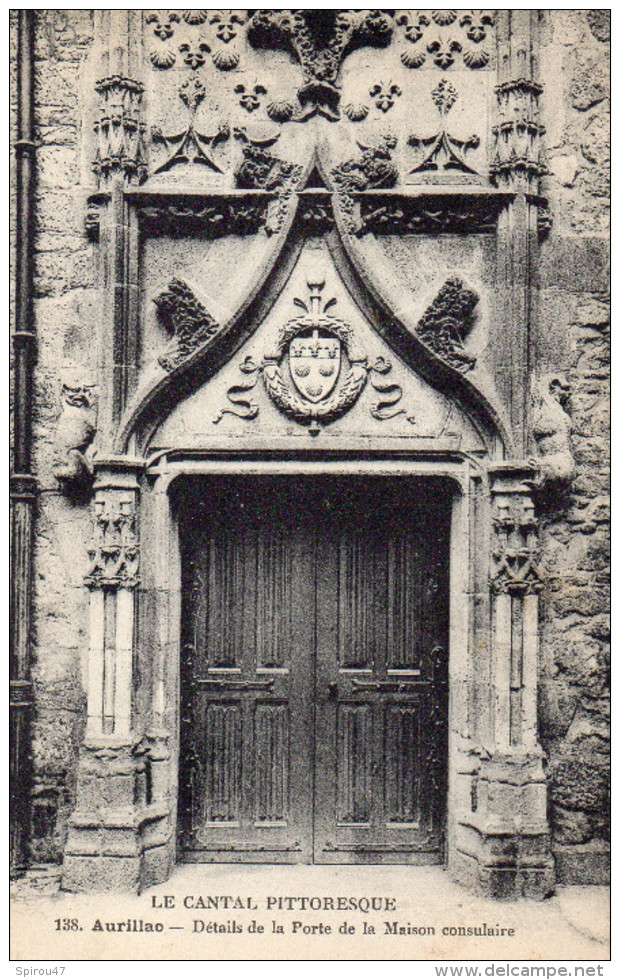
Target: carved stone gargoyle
[(551, 427), (75, 433)]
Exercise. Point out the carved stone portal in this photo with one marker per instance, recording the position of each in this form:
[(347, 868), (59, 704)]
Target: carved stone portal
[(235, 164)]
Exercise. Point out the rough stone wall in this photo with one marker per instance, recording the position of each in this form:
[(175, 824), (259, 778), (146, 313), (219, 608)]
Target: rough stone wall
[(574, 316), (574, 337), (65, 307)]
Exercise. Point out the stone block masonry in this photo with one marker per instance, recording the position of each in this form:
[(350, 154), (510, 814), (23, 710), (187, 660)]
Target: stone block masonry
[(574, 708), (570, 342)]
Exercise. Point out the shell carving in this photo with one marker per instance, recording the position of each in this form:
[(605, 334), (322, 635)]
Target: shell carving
[(356, 112), (280, 111), (225, 59), (163, 59), (412, 58)]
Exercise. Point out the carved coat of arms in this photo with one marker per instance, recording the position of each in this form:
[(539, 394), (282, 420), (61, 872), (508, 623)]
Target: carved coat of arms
[(316, 372)]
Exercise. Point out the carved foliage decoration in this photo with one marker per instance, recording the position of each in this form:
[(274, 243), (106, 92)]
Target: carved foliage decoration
[(406, 215), (119, 130), (214, 218), (551, 427), (515, 554), (319, 40), (316, 373), (114, 554), (447, 38), (447, 322), (186, 318)]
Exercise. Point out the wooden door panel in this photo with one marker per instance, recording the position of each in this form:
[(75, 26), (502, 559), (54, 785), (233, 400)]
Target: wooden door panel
[(402, 765), (382, 622), (247, 695), (315, 685), (354, 763)]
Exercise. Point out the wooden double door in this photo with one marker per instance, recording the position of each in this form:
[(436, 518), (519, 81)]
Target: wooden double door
[(314, 670)]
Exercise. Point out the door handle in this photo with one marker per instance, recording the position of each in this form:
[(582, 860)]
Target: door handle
[(332, 691)]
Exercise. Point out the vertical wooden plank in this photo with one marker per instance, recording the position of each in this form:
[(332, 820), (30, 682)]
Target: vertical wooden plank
[(403, 764), (271, 764), (222, 763), (355, 751)]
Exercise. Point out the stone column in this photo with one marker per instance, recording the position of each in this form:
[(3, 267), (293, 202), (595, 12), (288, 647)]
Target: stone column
[(120, 830), (516, 169), (509, 813)]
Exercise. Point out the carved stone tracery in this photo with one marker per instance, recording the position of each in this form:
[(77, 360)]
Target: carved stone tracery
[(114, 554), (516, 551), (119, 130)]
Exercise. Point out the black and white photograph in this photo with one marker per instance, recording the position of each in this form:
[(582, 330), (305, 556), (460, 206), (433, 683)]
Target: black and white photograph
[(310, 467)]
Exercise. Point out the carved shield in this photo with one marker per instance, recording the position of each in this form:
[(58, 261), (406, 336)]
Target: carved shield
[(314, 362)]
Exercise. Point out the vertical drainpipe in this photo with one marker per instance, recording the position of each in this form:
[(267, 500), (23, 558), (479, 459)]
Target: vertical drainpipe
[(23, 483)]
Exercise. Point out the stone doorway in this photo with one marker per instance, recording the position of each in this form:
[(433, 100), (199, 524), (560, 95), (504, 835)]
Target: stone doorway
[(314, 670)]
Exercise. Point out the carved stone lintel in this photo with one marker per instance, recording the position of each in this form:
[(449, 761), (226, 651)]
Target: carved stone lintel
[(187, 319), (447, 322), (119, 130), (211, 217), (74, 434), (551, 428), (114, 554), (428, 214)]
